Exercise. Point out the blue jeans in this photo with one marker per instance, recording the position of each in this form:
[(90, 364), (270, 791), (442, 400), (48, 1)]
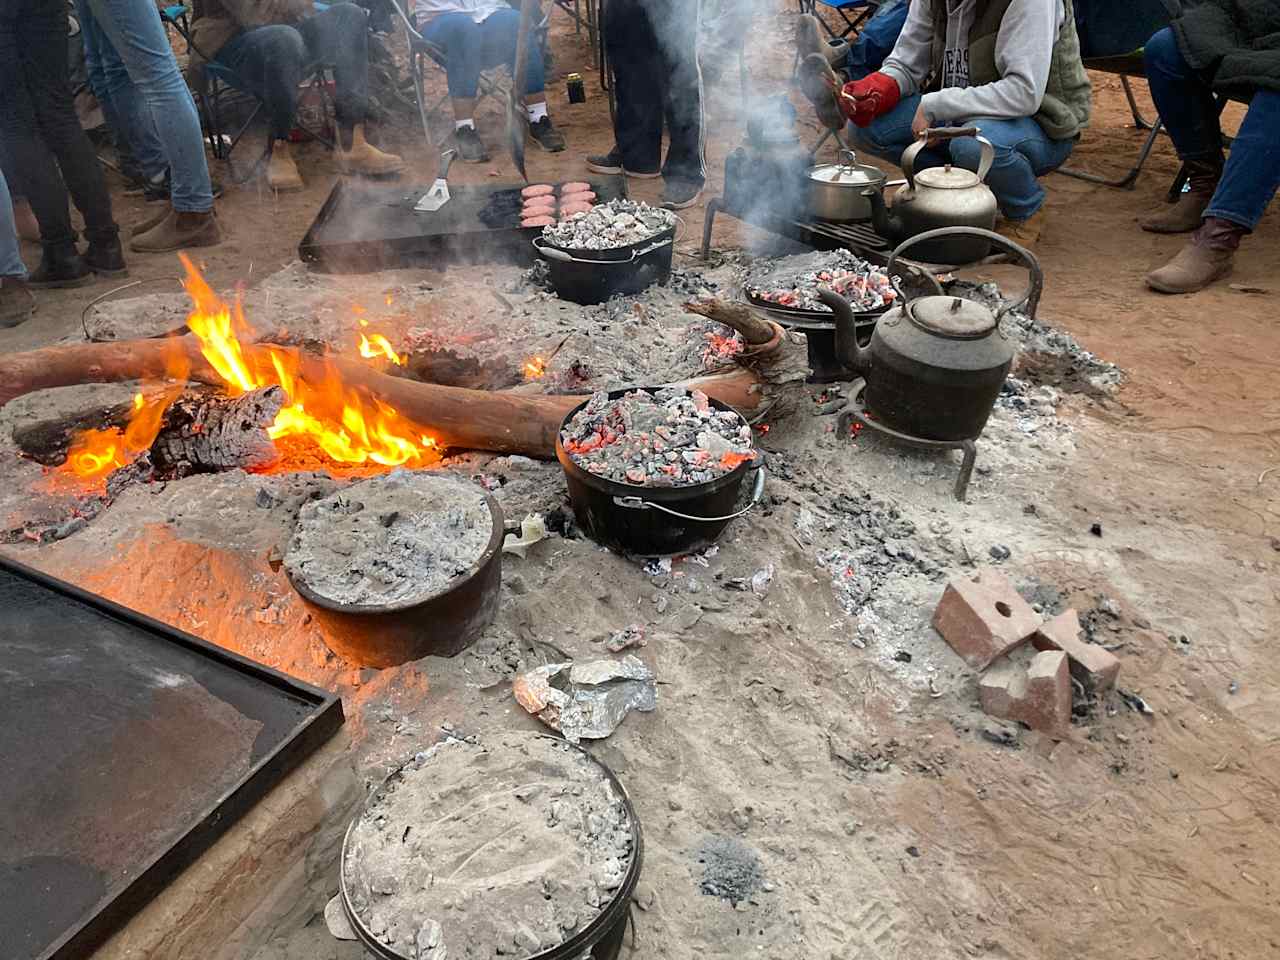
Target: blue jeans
[(472, 47), (1024, 153), (135, 31), (11, 264), (876, 39), (1190, 114), (123, 106)]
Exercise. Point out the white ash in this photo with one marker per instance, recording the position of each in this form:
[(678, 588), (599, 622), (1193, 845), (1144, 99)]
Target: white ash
[(398, 538), (617, 223), (793, 281), (476, 850), (668, 438)]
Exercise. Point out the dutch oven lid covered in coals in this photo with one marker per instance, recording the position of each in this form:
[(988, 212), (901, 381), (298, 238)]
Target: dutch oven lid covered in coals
[(952, 317), (605, 226)]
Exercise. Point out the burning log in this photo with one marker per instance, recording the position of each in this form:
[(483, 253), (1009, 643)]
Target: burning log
[(755, 329), (201, 430)]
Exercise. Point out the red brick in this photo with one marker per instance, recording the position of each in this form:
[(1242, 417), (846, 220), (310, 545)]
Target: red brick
[(1039, 696), (1095, 668), (983, 618)]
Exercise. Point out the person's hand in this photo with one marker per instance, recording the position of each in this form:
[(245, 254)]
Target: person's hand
[(872, 96), (920, 122)]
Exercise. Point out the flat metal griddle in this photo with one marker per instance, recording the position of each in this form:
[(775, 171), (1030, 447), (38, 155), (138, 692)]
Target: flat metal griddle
[(128, 748), (366, 226)]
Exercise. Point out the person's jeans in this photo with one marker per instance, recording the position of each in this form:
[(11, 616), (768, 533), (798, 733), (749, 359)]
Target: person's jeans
[(135, 30), (472, 47), (653, 48), (123, 106), (272, 61), (875, 40), (40, 133), (1023, 153), (1190, 114), (11, 264)]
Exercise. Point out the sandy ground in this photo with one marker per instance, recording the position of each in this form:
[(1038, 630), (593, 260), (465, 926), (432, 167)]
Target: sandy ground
[(885, 824)]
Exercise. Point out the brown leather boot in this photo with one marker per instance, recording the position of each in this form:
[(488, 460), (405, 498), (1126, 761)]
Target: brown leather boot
[(153, 220), (1185, 213), (16, 301), (1025, 232), (178, 231), (1208, 257)]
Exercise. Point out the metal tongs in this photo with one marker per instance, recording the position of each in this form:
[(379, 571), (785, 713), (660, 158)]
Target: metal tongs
[(438, 195)]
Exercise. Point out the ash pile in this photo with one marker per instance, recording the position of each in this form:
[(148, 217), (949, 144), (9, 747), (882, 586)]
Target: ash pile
[(618, 223)]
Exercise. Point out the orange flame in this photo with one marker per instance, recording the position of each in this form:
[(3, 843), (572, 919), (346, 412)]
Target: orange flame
[(376, 345), (95, 453), (535, 368)]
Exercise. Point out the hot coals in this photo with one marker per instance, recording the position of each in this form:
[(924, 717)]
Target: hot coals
[(665, 438), (793, 282), (505, 848)]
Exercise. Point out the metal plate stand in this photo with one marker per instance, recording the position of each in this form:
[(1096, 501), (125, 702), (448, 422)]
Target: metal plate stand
[(857, 411), (819, 234)]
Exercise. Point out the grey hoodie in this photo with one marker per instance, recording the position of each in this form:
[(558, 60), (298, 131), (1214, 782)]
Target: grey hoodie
[(1024, 50)]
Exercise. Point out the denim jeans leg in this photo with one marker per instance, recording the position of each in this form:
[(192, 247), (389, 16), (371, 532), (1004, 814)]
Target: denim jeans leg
[(498, 45), (460, 38), (137, 34), (123, 106), (1023, 154), (1252, 173), (889, 135), (269, 61), (339, 38), (1184, 100), (11, 264)]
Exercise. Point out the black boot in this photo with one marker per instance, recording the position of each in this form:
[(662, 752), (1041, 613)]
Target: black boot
[(105, 257), (61, 266)]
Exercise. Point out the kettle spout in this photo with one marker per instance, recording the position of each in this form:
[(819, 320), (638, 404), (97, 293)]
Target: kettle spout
[(887, 226), (851, 356)]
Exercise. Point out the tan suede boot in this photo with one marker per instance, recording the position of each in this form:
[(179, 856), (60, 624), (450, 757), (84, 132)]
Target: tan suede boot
[(1208, 257), (180, 230), (282, 172), (365, 158), (16, 302), (154, 220), (1026, 232), (1185, 213)]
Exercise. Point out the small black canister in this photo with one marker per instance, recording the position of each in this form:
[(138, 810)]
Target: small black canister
[(577, 89)]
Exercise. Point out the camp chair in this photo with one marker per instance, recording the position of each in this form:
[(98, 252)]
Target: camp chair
[(422, 51), (854, 13)]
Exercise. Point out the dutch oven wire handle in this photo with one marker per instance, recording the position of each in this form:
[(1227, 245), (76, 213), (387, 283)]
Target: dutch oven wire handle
[(639, 503), (1030, 297)]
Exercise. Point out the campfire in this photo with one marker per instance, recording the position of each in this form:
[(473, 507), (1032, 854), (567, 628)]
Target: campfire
[(343, 423)]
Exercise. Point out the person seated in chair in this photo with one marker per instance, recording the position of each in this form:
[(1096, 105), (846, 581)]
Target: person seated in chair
[(1010, 67), (269, 45), (1229, 47), (476, 35)]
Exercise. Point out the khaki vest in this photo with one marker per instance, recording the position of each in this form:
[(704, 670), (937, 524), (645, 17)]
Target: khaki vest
[(1064, 112)]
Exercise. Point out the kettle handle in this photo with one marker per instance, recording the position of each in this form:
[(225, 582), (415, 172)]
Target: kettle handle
[(908, 162), (1030, 297), (987, 159)]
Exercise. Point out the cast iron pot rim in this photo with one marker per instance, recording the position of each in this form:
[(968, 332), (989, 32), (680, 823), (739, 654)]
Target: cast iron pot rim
[(615, 909), (475, 570), (626, 487)]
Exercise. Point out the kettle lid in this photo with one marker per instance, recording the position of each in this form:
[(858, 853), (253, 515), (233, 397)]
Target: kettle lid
[(947, 178), (954, 318)]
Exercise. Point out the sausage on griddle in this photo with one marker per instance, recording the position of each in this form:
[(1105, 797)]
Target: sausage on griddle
[(538, 190)]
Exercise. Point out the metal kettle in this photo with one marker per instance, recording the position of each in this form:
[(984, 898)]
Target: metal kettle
[(937, 197), (935, 364)]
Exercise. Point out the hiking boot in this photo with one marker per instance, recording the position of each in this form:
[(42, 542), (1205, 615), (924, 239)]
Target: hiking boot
[(16, 302), (1026, 232), (106, 257), (1185, 213), (179, 230), (819, 83), (678, 194), (546, 135), (24, 220), (469, 145), (812, 38), (282, 172), (1208, 257), (60, 266), (364, 158)]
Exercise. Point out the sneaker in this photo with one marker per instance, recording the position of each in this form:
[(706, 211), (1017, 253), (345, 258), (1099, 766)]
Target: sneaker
[(16, 302), (470, 146), (546, 135), (611, 163), (678, 194), (60, 266)]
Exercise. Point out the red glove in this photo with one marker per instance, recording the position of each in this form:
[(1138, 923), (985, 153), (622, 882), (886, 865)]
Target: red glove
[(864, 100)]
